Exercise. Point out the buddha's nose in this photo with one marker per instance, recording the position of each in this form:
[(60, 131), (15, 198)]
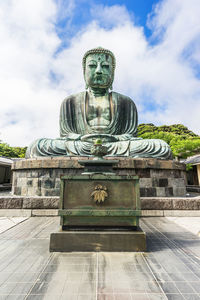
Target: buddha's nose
[(99, 69)]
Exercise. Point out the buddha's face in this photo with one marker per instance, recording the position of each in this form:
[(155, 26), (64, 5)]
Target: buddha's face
[(98, 70)]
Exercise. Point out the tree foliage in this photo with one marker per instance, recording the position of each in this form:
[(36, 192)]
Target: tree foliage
[(182, 141), (15, 152)]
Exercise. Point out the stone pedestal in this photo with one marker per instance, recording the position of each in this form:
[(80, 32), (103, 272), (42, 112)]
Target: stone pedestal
[(113, 241), (41, 176)]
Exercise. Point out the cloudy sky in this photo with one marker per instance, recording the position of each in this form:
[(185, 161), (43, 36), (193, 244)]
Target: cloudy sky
[(156, 44)]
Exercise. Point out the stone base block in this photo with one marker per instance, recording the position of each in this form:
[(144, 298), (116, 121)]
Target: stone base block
[(41, 176), (106, 241)]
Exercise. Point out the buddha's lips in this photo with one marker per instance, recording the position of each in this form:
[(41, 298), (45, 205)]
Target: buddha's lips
[(99, 77)]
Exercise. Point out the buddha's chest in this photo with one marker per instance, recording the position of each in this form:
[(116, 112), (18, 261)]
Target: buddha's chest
[(98, 111)]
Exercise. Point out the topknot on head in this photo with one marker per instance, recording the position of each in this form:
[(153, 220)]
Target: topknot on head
[(99, 50)]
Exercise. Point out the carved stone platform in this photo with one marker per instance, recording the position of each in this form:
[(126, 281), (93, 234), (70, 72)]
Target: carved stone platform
[(41, 176), (115, 241)]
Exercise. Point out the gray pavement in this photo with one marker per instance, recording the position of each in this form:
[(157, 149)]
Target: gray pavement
[(170, 269)]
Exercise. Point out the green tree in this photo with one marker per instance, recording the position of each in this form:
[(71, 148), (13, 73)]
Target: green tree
[(182, 141), (15, 152)]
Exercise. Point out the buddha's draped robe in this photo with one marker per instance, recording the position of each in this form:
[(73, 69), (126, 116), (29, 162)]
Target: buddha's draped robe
[(122, 127)]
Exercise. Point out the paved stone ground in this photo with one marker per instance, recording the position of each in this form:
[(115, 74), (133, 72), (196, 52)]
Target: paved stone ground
[(169, 270)]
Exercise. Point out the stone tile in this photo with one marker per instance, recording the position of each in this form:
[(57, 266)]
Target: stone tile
[(184, 287), (191, 296), (21, 288), (156, 203), (152, 213), (174, 297), (15, 212), (105, 297), (52, 288), (141, 275), (86, 297), (157, 296), (196, 286), (139, 296), (123, 297), (181, 213), (44, 212), (46, 296)]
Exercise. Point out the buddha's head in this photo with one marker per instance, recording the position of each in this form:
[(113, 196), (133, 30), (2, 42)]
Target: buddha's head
[(98, 68)]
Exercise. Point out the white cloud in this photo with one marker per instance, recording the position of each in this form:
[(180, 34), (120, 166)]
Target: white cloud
[(162, 73)]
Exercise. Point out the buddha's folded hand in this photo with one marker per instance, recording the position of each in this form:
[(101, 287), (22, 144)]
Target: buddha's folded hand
[(106, 138)]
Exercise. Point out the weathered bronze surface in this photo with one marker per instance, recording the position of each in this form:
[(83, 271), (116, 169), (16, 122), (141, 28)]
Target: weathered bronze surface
[(126, 241), (99, 200), (99, 113)]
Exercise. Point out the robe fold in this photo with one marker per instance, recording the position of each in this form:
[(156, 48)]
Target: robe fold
[(122, 127)]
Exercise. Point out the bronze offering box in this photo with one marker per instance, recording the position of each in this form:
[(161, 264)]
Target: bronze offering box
[(99, 211), (99, 200)]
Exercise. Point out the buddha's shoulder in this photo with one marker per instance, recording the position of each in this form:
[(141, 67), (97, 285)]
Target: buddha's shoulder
[(75, 97), (121, 97)]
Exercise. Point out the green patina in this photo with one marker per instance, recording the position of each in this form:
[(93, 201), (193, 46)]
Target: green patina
[(99, 114), (121, 207)]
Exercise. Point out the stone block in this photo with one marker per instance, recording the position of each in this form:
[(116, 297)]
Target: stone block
[(160, 191), (178, 165), (57, 183), (32, 191), (35, 182), (10, 203), (35, 174), (160, 173), (145, 182), (44, 212), (156, 203), (35, 164), (163, 182), (155, 181), (17, 190), (29, 182), (21, 181), (179, 191), (47, 203), (152, 213), (186, 204), (147, 192), (55, 202), (24, 190), (169, 192), (176, 173), (50, 192), (15, 213), (69, 241), (182, 213), (33, 203), (49, 183), (42, 176), (176, 182), (143, 173)]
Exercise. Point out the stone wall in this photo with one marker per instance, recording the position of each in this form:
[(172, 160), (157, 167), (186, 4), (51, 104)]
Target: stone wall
[(41, 176), (150, 203)]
